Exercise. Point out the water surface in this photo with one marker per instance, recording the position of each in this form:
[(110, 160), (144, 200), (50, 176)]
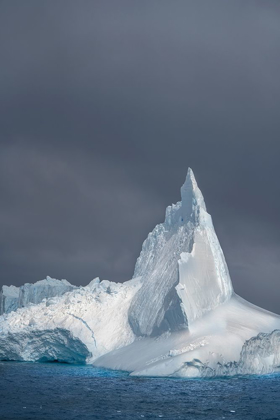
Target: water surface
[(66, 392)]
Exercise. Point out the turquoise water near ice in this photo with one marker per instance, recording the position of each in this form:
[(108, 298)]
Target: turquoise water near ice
[(66, 392)]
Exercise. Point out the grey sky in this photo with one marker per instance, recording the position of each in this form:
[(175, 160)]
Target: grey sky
[(105, 104)]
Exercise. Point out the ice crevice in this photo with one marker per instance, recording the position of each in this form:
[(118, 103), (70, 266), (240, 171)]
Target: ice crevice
[(86, 325)]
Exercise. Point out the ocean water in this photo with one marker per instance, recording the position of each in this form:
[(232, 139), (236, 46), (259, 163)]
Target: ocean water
[(66, 392)]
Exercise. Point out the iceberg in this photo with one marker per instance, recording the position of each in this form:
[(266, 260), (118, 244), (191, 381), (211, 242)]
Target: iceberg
[(179, 315)]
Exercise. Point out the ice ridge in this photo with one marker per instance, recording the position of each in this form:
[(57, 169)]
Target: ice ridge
[(183, 254)]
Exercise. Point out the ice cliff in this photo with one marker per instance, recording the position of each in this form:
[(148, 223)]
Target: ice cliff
[(12, 298), (77, 327), (9, 296), (178, 316), (180, 260)]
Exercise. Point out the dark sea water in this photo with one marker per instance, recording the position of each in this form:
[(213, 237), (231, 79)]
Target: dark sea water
[(58, 391)]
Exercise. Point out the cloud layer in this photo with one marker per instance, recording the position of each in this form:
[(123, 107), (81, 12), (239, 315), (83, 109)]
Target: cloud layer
[(104, 106)]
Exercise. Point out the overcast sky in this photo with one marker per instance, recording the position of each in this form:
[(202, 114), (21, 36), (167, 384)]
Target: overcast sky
[(103, 107)]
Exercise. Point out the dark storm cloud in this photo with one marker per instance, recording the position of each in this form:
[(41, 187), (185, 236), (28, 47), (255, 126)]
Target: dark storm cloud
[(104, 105)]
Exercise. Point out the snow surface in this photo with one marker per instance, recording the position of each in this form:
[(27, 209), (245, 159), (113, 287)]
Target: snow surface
[(178, 316), (213, 342)]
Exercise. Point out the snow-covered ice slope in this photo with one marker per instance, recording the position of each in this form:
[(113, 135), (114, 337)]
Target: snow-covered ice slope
[(211, 347), (179, 316)]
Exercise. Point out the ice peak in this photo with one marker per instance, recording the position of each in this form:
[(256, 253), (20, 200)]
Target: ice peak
[(191, 177), (191, 194)]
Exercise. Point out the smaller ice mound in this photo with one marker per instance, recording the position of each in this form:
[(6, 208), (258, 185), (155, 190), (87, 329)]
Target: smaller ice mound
[(77, 327), (9, 296), (261, 354), (93, 284)]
